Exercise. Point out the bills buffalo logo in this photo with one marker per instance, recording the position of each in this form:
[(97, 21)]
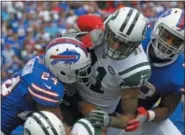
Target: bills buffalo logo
[(166, 13), (67, 57)]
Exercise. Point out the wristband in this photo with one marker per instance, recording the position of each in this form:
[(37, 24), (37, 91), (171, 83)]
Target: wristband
[(151, 115)]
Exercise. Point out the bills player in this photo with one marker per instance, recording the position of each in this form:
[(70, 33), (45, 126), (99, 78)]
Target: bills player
[(39, 85), (119, 66), (164, 48)]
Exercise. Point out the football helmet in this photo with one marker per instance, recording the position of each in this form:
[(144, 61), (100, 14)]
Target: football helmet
[(168, 34), (83, 127), (124, 31), (68, 59), (43, 123)]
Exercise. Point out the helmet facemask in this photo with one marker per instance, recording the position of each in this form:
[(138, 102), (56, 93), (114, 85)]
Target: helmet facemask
[(118, 47), (166, 44), (83, 74), (74, 75)]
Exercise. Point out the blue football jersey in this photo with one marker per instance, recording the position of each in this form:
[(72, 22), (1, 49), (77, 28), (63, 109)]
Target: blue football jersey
[(169, 78), (34, 84)]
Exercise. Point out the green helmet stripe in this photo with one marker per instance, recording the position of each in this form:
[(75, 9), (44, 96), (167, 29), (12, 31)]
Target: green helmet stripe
[(86, 126)]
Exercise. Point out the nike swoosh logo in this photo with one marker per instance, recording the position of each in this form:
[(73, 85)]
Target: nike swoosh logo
[(49, 87), (142, 76)]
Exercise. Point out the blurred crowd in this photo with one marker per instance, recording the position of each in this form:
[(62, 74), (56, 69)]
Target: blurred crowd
[(27, 27)]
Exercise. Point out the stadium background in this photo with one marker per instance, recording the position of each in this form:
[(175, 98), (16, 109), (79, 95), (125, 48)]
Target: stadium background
[(28, 26)]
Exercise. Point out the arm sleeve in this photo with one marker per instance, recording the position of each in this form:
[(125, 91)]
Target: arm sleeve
[(47, 97)]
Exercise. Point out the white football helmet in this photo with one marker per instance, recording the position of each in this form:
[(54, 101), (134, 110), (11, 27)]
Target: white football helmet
[(124, 31), (168, 34), (68, 59), (83, 127), (43, 123)]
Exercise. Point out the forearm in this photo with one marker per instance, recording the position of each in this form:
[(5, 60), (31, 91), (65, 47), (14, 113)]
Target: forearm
[(85, 107), (161, 113), (129, 101), (167, 106), (120, 121)]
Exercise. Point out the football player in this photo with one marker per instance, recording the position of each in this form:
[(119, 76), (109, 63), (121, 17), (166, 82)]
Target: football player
[(43, 123), (46, 123), (120, 67), (164, 48), (39, 85)]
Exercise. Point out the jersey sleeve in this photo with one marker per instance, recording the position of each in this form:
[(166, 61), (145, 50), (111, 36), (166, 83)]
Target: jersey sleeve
[(135, 76), (43, 86), (45, 94), (177, 75)]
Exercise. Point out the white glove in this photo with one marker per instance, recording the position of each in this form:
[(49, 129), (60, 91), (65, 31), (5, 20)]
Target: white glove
[(99, 117)]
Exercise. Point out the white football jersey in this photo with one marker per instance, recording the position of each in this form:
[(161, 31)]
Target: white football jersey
[(111, 76)]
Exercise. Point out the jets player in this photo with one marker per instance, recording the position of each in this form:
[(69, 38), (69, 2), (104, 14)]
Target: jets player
[(164, 49), (119, 66), (46, 123), (38, 86), (43, 123)]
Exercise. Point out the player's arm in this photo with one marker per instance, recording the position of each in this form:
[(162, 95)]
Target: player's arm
[(85, 107), (129, 106), (129, 101), (46, 96), (168, 103), (167, 106), (129, 96)]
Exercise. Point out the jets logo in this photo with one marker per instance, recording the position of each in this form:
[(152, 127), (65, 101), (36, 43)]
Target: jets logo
[(111, 70)]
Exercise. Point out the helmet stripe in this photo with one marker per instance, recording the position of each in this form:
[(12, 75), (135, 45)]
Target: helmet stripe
[(86, 126), (49, 123), (63, 56), (68, 40), (180, 23), (133, 23), (126, 20), (41, 124)]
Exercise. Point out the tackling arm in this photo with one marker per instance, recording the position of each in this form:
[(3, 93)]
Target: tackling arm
[(129, 101), (166, 107), (168, 104)]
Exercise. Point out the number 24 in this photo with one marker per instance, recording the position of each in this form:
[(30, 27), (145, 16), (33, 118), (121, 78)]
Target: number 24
[(45, 76)]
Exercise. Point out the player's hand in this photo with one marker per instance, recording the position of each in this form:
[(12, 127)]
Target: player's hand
[(142, 117), (99, 118), (93, 38)]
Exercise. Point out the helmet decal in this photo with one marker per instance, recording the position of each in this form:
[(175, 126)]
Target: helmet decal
[(168, 12), (68, 57), (64, 40)]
